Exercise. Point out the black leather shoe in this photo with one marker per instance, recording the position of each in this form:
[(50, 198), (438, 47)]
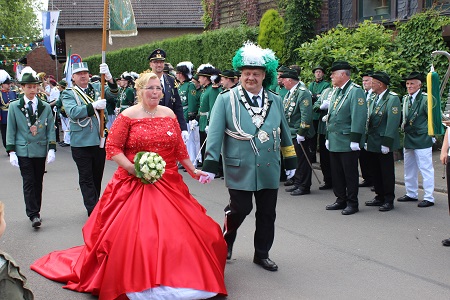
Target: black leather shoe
[(406, 199), (36, 222), (299, 192), (365, 183), (350, 210), (336, 206), (374, 202), (230, 251), (289, 182), (291, 189), (446, 243), (425, 203), (266, 263), (325, 186), (386, 207), (372, 189)]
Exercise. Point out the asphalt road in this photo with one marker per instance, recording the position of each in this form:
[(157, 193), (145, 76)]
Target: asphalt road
[(321, 254)]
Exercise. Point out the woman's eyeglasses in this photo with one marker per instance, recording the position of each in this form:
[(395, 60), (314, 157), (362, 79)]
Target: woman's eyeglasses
[(153, 87)]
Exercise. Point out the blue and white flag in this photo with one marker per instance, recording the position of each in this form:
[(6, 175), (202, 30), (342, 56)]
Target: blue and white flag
[(49, 21)]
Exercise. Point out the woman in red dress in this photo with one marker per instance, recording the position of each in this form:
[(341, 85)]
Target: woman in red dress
[(145, 241)]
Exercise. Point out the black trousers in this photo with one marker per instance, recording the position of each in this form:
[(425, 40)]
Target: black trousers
[(325, 160), (344, 171), (382, 166), (303, 173), (365, 164), (32, 171), (241, 205), (90, 162), (3, 128), (202, 140)]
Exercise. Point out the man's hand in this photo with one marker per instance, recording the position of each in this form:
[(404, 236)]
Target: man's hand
[(99, 104), (384, 149), (206, 178), (300, 138), (104, 69), (324, 105), (327, 144), (206, 129), (354, 146), (290, 173), (13, 159), (51, 156)]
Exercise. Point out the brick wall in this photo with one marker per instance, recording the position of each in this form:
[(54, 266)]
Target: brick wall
[(40, 61)]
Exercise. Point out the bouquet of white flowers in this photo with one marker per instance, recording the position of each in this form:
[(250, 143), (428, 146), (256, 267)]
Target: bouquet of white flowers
[(149, 166)]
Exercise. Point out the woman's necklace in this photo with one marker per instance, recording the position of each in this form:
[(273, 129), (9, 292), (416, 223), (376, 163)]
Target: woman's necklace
[(151, 113)]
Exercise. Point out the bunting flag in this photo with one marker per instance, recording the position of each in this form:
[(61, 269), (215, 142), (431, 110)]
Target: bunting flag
[(68, 68), (435, 126), (49, 21), (121, 19)]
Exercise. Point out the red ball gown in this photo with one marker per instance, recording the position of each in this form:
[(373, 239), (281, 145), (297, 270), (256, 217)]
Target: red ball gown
[(143, 236)]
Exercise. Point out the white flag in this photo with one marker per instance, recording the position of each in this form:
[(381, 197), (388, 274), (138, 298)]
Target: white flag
[(49, 21)]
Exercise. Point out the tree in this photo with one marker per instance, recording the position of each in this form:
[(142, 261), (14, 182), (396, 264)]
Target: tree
[(18, 27), (271, 32)]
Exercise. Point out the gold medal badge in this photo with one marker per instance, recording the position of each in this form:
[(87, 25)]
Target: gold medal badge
[(361, 101), (395, 110)]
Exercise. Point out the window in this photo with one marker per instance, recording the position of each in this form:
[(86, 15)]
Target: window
[(375, 9), (438, 3)]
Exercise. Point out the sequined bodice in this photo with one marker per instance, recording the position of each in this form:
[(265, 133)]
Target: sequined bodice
[(161, 135)]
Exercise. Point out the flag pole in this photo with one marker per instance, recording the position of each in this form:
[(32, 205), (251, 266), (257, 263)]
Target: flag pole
[(102, 93)]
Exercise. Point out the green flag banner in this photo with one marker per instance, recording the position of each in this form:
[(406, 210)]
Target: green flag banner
[(121, 19)]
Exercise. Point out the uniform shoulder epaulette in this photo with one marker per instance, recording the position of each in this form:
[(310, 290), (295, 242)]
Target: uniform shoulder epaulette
[(273, 92), (224, 91), (393, 93), (302, 88), (356, 85), (423, 93)]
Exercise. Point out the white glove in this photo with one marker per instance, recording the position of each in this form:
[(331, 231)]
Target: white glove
[(13, 159), (354, 146), (193, 124), (384, 149), (290, 173), (104, 69), (365, 146), (433, 139), (206, 129), (324, 105), (185, 135), (99, 104), (206, 178), (55, 109), (51, 156), (300, 138), (117, 111), (324, 118), (327, 144)]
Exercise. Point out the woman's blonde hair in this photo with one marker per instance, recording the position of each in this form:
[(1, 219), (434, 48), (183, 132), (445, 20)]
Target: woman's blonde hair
[(143, 79)]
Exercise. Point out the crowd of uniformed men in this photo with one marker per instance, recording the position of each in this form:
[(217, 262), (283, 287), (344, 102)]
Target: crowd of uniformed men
[(342, 121)]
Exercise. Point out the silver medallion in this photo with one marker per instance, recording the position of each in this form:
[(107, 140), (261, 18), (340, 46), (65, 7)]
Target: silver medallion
[(257, 120), (263, 136)]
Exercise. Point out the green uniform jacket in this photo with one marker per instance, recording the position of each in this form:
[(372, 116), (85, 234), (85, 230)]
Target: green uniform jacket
[(243, 168), (347, 118), (415, 121), (325, 95), (84, 124), (18, 134), (281, 90), (125, 98), (316, 89), (207, 100), (189, 99), (384, 120), (298, 112)]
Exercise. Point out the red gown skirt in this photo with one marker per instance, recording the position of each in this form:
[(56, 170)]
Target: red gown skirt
[(141, 236)]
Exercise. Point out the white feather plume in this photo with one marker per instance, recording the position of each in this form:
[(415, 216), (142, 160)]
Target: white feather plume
[(202, 66), (3, 76), (253, 55), (25, 71)]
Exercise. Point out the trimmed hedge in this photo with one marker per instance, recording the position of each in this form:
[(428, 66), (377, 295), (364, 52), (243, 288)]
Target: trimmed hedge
[(216, 47)]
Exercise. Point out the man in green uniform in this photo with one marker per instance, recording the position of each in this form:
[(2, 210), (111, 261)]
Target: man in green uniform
[(228, 79), (248, 127), (382, 140), (417, 143), (298, 112), (347, 117), (126, 94), (207, 100), (280, 89)]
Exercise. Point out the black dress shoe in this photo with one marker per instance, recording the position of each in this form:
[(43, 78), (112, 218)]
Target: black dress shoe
[(406, 198), (446, 242), (36, 222), (365, 183), (425, 203), (374, 202), (229, 251), (336, 206), (350, 210), (325, 186), (289, 182), (386, 207), (300, 191), (266, 263), (372, 189), (291, 189)]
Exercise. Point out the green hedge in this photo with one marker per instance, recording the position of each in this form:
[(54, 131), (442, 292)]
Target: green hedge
[(215, 47)]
